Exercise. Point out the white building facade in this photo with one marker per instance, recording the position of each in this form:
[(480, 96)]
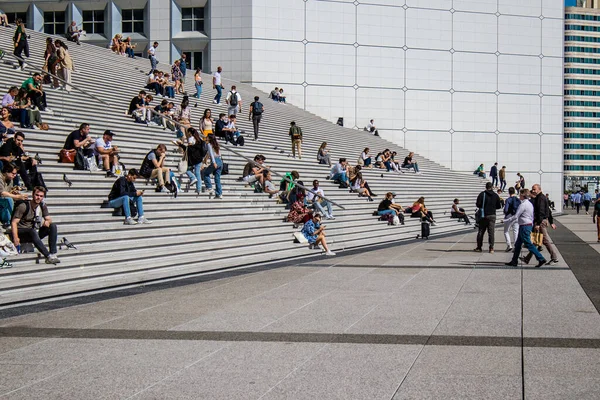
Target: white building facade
[(462, 82)]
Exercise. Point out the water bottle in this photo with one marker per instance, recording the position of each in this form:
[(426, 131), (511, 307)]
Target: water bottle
[(19, 248)]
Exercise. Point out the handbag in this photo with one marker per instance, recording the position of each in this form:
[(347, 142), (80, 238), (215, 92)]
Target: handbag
[(182, 166), (537, 238), (225, 169), (300, 238), (66, 156)]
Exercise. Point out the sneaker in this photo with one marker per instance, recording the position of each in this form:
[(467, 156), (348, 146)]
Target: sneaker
[(152, 123), (491, 251), (477, 250), (330, 253), (541, 262), (48, 109), (218, 197), (110, 174), (510, 264), (508, 249), (552, 262), (129, 221), (143, 220), (163, 189), (193, 182), (525, 261), (211, 193), (5, 264), (52, 260), (331, 217), (214, 102)]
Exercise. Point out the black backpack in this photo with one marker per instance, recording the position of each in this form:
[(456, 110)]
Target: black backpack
[(233, 100), (240, 141), (257, 108)]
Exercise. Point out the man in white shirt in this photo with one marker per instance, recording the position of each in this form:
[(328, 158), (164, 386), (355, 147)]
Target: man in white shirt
[(524, 218), (152, 57), (106, 153), (319, 203), (339, 172), (372, 128), (234, 101), (217, 85)]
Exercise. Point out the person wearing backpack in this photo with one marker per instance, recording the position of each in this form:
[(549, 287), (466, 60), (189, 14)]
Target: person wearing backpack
[(296, 135), (234, 101), (510, 208), (256, 110), (31, 223), (487, 203)]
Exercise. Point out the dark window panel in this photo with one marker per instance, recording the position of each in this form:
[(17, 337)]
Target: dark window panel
[(60, 29), (199, 25), (138, 14), (99, 15), (138, 27), (49, 29), (126, 27), (99, 28), (186, 26), (88, 27), (87, 15), (186, 13), (48, 16), (59, 16), (199, 13), (126, 15)]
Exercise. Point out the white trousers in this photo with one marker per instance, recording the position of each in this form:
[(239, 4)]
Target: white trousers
[(514, 227)]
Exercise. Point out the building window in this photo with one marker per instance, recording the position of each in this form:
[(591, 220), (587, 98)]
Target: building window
[(194, 59), (54, 22), (93, 21), (192, 19), (14, 16), (133, 21)]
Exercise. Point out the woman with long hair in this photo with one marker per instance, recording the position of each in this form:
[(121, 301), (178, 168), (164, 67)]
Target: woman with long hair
[(365, 158), (215, 166), (176, 77), (50, 61), (323, 154), (198, 82), (65, 63), (183, 115), (21, 43), (420, 211), (360, 186), (206, 123)]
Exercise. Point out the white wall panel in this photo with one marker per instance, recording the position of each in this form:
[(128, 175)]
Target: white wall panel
[(475, 32), (475, 72), (380, 67), (427, 69), (331, 22), (428, 29), (519, 35), (428, 110), (519, 113), (330, 64), (380, 26), (483, 6), (531, 8), (552, 71), (519, 74), (337, 101), (474, 112), (552, 37)]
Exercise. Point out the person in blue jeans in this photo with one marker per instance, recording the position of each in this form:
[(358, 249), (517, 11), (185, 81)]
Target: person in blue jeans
[(198, 82), (215, 167), (339, 172), (123, 192), (524, 217), (217, 85)]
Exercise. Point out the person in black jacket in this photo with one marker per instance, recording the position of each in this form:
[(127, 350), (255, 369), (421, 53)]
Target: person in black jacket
[(123, 192), (542, 219), (195, 150), (487, 203)]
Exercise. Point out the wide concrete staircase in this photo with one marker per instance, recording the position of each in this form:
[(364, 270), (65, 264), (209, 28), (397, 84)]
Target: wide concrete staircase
[(194, 234)]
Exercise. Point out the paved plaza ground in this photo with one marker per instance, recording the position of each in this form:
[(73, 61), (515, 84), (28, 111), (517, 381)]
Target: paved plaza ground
[(421, 320)]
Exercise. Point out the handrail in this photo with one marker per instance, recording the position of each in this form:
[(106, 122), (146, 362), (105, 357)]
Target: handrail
[(41, 71), (228, 148)]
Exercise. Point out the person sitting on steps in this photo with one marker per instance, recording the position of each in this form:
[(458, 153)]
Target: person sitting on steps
[(31, 223), (253, 171), (106, 154), (420, 211), (387, 206), (459, 213), (153, 166), (410, 164), (339, 173), (315, 199), (8, 192), (123, 193), (314, 232), (323, 155)]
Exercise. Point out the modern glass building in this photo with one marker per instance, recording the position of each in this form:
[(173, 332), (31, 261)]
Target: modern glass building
[(582, 94), (462, 82)]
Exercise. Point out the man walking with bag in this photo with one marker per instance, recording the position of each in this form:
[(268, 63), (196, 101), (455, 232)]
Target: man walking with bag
[(487, 203), (296, 136), (256, 110), (542, 218)]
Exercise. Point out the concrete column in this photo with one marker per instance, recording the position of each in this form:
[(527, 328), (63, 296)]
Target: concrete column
[(113, 23), (159, 28), (74, 14), (35, 18)]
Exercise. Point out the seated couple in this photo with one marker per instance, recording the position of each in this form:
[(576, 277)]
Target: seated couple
[(457, 212)]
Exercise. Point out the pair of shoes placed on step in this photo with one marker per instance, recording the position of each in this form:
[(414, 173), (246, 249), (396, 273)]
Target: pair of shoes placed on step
[(140, 220)]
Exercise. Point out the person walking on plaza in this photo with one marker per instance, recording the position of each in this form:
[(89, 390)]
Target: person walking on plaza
[(502, 175), (494, 175), (596, 218), (510, 208), (217, 85), (524, 217), (152, 57), (587, 200), (542, 218), (487, 203), (296, 135), (577, 201), (255, 114)]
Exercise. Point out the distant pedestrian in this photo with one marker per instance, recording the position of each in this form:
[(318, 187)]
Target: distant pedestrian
[(256, 111), (217, 85), (296, 135), (596, 218), (494, 174), (502, 175), (587, 200), (487, 203), (577, 201), (152, 57)]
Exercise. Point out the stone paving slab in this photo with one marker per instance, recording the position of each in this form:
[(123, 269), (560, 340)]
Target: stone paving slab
[(426, 319)]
